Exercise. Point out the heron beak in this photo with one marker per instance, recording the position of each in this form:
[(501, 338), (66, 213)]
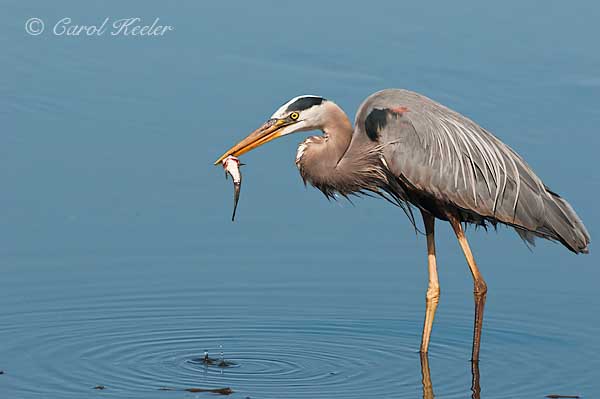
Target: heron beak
[(267, 132)]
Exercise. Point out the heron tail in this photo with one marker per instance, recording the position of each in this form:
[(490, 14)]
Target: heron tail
[(562, 223)]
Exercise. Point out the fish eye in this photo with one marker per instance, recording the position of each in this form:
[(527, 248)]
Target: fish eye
[(294, 116)]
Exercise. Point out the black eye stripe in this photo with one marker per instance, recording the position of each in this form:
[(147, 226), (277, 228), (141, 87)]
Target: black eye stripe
[(304, 103)]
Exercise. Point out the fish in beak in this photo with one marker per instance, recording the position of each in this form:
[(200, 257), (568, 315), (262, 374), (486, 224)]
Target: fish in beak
[(267, 132), (232, 167)]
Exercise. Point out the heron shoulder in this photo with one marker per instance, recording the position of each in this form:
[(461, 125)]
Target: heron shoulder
[(385, 99)]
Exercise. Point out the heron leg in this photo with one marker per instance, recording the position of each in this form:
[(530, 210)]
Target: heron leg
[(480, 287), (433, 290)]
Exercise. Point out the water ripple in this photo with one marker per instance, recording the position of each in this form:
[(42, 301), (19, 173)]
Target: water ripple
[(134, 345)]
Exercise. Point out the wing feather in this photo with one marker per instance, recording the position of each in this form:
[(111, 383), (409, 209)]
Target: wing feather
[(447, 156)]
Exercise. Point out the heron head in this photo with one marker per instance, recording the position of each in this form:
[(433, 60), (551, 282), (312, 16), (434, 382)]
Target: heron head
[(301, 113)]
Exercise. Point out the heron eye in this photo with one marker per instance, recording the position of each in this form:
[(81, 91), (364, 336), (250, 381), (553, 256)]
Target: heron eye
[(294, 116)]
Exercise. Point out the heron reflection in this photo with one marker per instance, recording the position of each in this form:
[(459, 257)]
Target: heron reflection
[(428, 387)]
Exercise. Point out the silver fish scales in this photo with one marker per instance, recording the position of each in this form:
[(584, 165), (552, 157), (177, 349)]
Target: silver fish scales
[(232, 165)]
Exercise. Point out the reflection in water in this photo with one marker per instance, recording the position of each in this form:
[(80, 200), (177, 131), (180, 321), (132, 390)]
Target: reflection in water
[(426, 377), (428, 387), (475, 387)]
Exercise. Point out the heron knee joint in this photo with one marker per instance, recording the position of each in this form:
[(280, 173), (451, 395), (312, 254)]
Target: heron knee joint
[(433, 294), (480, 288)]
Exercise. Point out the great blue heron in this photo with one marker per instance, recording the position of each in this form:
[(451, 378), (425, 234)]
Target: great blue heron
[(416, 152)]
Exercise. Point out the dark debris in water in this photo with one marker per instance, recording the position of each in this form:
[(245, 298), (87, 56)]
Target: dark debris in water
[(226, 363), (100, 387), (209, 361), (220, 391), (1, 372), (206, 360), (562, 396)]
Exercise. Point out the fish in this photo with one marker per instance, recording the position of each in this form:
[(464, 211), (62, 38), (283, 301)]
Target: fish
[(232, 167)]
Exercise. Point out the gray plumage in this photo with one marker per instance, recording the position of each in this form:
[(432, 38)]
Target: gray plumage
[(416, 152), (413, 150)]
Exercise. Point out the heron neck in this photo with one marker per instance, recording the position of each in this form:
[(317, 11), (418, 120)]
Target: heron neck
[(338, 134), (334, 165), (320, 159)]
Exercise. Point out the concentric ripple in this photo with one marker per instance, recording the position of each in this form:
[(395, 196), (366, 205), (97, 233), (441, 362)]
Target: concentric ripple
[(134, 345), (149, 349)]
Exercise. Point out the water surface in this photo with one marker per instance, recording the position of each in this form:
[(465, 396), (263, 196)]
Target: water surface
[(120, 265)]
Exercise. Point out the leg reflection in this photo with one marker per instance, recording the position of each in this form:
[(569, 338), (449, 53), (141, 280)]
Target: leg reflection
[(475, 387), (426, 377), (428, 387)]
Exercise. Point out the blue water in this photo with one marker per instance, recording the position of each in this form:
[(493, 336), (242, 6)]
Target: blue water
[(119, 264)]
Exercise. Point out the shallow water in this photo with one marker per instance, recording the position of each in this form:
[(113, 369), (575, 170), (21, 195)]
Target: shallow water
[(141, 326), (120, 266)]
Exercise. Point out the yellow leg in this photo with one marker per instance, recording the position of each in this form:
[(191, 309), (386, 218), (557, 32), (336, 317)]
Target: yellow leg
[(433, 290), (480, 287)]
